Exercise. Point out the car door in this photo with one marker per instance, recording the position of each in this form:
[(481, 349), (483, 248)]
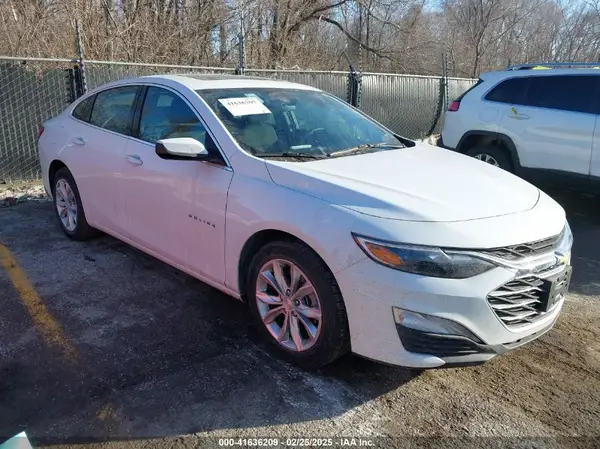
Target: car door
[(176, 208), (551, 122), (99, 132)]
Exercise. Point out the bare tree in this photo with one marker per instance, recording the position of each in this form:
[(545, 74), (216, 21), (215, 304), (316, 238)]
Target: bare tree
[(379, 35)]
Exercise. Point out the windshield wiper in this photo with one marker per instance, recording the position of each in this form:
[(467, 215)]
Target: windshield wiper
[(296, 154), (365, 147)]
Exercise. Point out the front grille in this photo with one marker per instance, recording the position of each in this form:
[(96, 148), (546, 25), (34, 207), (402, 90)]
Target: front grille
[(516, 252), (520, 301), (524, 300)]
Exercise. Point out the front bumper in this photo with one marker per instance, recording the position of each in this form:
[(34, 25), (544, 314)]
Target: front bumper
[(457, 350), (371, 291)]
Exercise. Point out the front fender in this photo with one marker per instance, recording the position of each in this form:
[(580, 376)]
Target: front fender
[(256, 205)]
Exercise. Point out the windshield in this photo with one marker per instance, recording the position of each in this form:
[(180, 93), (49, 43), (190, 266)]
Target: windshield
[(296, 124)]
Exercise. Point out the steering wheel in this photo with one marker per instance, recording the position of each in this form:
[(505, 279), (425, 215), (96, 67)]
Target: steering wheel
[(309, 136)]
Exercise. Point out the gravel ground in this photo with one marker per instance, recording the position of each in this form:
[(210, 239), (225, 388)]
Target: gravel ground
[(162, 360), (20, 192)]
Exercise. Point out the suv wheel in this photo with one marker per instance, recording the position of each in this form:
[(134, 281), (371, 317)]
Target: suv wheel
[(491, 154)]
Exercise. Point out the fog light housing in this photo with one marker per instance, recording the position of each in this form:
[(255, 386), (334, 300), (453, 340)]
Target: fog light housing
[(431, 324)]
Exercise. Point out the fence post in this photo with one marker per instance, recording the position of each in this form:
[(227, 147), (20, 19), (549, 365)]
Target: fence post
[(80, 55), (442, 97), (71, 85), (242, 45), (445, 76), (354, 85)]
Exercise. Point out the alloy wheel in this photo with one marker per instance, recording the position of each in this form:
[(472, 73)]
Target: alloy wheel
[(288, 305), (487, 159), (66, 205)]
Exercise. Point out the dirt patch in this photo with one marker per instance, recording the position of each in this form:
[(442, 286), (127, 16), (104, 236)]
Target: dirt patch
[(22, 191)]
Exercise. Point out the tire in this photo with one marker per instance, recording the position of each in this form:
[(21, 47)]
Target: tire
[(489, 153), (72, 221), (331, 340)]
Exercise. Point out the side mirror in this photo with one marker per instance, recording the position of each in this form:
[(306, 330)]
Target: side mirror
[(185, 148)]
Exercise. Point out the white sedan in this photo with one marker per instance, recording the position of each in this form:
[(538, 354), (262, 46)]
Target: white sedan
[(338, 234)]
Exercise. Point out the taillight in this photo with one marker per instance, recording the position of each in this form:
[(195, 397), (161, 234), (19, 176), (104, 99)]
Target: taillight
[(454, 106), (40, 131)]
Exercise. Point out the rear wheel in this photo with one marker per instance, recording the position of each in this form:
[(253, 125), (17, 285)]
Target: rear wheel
[(296, 305), (493, 155), (68, 206)]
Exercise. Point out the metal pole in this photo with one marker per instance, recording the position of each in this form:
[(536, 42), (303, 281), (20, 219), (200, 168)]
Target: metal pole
[(445, 76), (242, 43), (80, 56)]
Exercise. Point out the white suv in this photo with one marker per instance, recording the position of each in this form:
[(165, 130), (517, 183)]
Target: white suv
[(542, 125)]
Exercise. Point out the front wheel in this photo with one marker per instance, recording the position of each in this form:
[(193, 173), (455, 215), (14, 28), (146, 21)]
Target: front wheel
[(296, 305), (68, 206)]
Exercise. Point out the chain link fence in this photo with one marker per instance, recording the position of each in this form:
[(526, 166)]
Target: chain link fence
[(34, 90), (335, 83), (102, 72), (30, 92)]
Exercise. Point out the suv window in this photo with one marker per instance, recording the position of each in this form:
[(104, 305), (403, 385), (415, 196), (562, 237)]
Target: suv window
[(113, 109), (509, 91), (83, 110), (165, 115), (567, 93)]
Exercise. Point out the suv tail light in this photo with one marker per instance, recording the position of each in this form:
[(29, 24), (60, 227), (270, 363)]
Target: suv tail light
[(40, 130), (454, 106)]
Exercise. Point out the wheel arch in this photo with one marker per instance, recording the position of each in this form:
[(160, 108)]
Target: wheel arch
[(481, 137), (257, 241), (53, 168), (55, 165)]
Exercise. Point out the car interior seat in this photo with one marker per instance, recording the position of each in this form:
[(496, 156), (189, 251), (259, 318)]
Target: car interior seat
[(258, 134)]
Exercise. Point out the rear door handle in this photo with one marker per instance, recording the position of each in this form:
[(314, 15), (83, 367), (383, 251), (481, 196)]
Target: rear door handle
[(78, 140), (134, 159)]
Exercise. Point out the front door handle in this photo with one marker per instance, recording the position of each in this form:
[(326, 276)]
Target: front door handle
[(78, 140), (134, 159)]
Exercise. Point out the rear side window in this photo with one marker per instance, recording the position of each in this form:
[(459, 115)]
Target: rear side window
[(567, 93), (84, 109), (113, 109), (509, 91)]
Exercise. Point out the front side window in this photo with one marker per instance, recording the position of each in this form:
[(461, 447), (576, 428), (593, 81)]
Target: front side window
[(275, 122), (84, 109), (113, 109), (566, 93), (166, 115)]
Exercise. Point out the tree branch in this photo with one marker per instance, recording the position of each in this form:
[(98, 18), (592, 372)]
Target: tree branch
[(352, 38)]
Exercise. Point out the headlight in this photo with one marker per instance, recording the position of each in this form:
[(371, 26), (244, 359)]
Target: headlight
[(565, 244), (423, 260)]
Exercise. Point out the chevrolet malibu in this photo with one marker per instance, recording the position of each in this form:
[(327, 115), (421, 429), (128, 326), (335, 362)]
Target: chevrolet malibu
[(338, 234)]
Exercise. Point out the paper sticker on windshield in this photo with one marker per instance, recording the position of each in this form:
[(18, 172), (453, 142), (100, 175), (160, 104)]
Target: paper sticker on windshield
[(244, 106)]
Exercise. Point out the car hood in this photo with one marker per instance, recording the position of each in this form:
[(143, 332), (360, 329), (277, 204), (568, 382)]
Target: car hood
[(421, 183)]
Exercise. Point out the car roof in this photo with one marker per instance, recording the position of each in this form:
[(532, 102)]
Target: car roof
[(214, 81), (502, 74)]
